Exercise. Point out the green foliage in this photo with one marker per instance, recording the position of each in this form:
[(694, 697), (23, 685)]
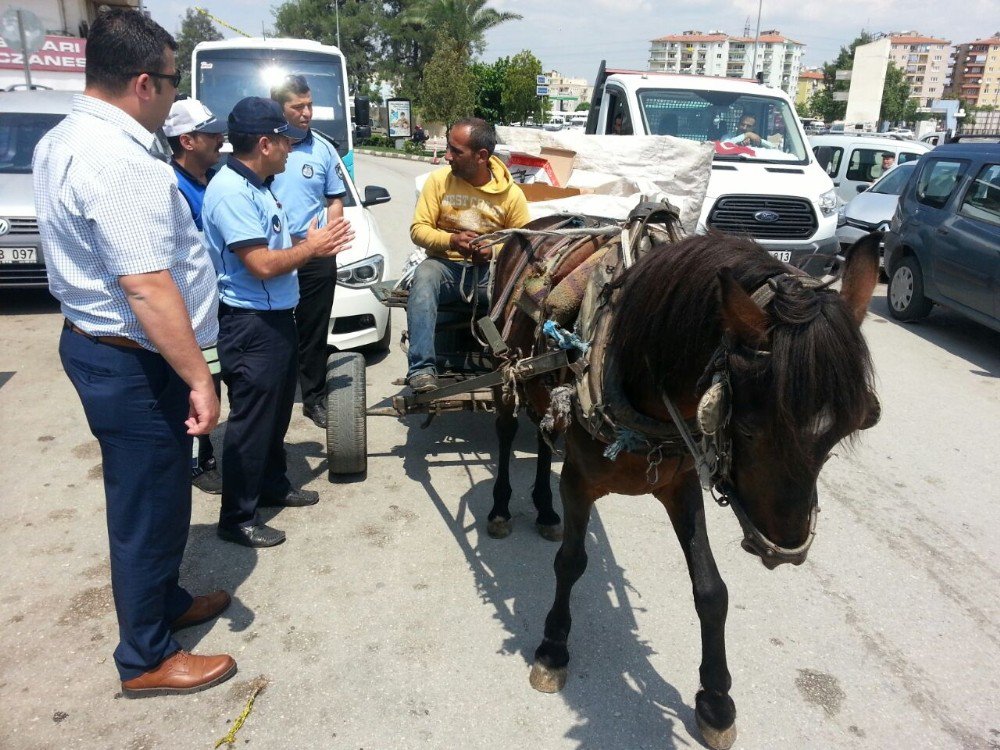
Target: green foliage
[(447, 90), (897, 106), (821, 103), (359, 33), (489, 81), (406, 48), (195, 27), (518, 97), (378, 141), (409, 147), (583, 106), (462, 23)]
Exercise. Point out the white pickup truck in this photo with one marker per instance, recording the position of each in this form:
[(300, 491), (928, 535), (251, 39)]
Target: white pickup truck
[(765, 183)]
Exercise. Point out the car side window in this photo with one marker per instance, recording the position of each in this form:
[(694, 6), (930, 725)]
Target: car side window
[(862, 164), (982, 200), (835, 154), (904, 156), (937, 182)]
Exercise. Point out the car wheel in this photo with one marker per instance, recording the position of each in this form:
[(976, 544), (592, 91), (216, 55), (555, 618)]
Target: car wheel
[(346, 416), (906, 291)]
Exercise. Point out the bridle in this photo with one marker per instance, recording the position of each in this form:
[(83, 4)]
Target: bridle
[(713, 456)]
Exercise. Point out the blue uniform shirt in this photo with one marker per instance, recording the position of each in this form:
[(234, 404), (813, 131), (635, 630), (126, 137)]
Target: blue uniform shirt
[(313, 174), (240, 211), (192, 190)]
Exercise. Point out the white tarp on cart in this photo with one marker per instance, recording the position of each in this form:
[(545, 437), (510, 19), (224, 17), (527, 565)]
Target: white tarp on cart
[(621, 170)]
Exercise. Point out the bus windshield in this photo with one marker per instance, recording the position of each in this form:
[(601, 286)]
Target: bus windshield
[(224, 76), (743, 126)]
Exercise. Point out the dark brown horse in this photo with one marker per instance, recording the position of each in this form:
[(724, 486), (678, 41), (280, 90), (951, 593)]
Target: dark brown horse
[(798, 380)]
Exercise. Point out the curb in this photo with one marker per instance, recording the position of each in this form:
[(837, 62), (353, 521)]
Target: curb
[(390, 155)]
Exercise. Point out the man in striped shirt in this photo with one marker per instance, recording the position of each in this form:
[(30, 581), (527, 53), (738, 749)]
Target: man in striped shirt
[(139, 295)]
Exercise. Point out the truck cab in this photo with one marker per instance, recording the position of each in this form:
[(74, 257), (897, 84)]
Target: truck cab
[(765, 182)]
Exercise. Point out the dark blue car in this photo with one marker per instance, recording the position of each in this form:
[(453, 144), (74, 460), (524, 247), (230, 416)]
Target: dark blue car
[(943, 245)]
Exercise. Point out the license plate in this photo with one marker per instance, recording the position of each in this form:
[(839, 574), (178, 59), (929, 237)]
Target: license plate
[(17, 255), (785, 256)]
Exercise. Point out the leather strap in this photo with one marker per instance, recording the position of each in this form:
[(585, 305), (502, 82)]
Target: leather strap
[(113, 340)]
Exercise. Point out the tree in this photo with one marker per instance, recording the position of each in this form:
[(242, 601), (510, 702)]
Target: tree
[(583, 106), (463, 23), (195, 27), (822, 102), (406, 48), (447, 92), (519, 97), (489, 82), (897, 105), (359, 33)]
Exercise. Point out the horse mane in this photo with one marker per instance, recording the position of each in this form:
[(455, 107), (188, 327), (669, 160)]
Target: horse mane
[(668, 324)]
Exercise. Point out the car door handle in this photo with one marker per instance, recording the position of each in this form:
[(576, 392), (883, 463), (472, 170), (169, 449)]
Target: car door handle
[(942, 230), (836, 184)]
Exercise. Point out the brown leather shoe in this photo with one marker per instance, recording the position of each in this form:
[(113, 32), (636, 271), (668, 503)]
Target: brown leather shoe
[(179, 674), (202, 609)]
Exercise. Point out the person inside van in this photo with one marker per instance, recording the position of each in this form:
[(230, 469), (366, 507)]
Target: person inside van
[(888, 162), (746, 134)]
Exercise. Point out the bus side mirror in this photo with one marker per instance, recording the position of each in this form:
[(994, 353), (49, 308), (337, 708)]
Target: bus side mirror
[(362, 133), (362, 114)]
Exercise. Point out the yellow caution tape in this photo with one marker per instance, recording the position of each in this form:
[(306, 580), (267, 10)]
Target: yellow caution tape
[(221, 23)]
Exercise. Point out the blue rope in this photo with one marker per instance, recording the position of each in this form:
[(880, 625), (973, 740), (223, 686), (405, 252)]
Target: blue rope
[(563, 338), (627, 440)]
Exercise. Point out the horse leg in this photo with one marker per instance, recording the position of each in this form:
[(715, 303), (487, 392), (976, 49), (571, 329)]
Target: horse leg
[(548, 520), (714, 709), (499, 525), (548, 673)]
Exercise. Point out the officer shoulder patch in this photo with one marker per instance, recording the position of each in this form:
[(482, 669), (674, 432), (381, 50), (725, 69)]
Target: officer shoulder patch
[(307, 171), (276, 223)]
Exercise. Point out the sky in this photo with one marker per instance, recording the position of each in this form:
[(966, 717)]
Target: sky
[(573, 36)]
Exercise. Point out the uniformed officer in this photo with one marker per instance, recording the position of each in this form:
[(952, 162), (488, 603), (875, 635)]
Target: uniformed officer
[(247, 235), (312, 185), (195, 138)]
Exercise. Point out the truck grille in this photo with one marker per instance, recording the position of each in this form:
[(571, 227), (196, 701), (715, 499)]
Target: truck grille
[(735, 214), (23, 225)]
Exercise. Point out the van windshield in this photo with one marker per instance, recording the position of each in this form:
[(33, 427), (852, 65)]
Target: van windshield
[(20, 132), (752, 127), (225, 76)]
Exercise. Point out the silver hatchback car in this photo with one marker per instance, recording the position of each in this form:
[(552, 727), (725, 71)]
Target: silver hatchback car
[(25, 116)]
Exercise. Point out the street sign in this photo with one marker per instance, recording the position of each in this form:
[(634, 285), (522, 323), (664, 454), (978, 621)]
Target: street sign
[(20, 29), (542, 80), (541, 90)]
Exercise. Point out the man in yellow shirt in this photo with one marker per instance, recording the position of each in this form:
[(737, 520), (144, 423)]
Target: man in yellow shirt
[(472, 196)]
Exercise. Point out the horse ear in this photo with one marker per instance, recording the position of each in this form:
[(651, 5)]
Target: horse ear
[(861, 275), (742, 319)]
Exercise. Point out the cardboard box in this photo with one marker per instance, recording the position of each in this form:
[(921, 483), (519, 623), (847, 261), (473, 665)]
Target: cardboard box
[(538, 191), (552, 167)]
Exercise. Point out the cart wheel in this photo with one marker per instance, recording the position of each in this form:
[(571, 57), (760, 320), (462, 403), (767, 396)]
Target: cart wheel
[(346, 429)]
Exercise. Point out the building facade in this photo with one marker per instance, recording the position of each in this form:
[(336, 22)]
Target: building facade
[(716, 53), (924, 61), (975, 72), (809, 82), (566, 94)]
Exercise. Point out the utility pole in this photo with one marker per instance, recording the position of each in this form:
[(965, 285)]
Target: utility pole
[(756, 40), (337, 5)]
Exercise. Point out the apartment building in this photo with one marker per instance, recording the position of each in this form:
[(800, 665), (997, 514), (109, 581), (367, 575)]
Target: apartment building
[(809, 82), (566, 94), (975, 72), (925, 62), (718, 54)]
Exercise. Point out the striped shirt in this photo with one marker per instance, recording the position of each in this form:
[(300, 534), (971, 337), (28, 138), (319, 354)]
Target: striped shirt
[(108, 208)]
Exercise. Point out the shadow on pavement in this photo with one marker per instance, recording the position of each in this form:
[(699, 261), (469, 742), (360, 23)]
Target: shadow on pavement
[(612, 686)]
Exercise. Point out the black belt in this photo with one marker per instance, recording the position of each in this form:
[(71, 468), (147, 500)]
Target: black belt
[(225, 309)]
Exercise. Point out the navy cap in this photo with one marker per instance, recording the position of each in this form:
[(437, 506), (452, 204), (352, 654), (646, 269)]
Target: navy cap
[(256, 115)]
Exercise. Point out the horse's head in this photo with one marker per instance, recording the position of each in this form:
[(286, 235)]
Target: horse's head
[(801, 381)]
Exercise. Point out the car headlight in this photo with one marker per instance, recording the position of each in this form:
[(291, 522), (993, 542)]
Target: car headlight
[(828, 202), (362, 274), (842, 215)]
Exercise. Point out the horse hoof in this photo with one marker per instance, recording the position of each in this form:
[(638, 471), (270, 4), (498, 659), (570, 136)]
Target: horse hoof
[(717, 739), (551, 533), (499, 528), (546, 680)]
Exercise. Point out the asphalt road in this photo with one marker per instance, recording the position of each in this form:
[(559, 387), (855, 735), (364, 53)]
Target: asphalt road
[(390, 620)]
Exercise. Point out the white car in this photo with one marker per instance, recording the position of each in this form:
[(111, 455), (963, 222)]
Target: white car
[(872, 209), (358, 319)]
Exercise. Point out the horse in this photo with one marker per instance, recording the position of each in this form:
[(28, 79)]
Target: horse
[(710, 314)]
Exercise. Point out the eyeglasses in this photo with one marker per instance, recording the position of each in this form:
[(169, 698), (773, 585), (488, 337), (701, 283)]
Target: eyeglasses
[(174, 78)]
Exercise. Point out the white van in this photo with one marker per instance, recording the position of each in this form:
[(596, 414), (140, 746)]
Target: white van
[(855, 161), (765, 185)]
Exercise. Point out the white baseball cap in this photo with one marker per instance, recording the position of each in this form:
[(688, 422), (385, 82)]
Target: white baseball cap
[(191, 116)]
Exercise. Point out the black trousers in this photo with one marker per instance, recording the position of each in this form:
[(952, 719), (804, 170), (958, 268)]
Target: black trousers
[(257, 353), (317, 283)]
